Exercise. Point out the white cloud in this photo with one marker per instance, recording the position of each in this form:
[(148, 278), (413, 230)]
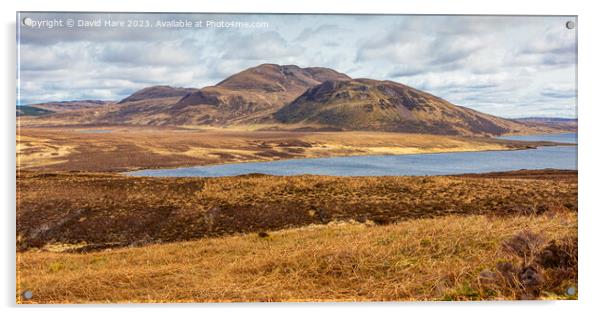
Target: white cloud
[(501, 65), (162, 53), (257, 46)]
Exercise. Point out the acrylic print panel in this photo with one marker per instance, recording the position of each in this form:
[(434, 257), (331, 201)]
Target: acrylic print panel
[(184, 157)]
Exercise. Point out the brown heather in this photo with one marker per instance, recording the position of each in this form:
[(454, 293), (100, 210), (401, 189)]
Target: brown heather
[(106, 210)]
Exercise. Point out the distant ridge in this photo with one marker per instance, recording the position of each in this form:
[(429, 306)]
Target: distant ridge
[(47, 108), (26, 110), (569, 124)]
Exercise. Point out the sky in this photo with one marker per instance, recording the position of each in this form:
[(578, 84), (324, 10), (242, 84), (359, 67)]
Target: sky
[(510, 66)]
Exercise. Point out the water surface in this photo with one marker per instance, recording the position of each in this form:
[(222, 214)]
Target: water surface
[(558, 157)]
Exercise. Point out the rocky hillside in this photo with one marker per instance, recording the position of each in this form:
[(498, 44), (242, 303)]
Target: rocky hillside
[(365, 104)]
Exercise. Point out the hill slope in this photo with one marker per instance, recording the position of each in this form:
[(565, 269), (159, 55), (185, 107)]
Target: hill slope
[(26, 110), (365, 104), (66, 106), (157, 92), (251, 95)]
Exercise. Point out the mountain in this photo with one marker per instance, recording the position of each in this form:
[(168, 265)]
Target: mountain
[(569, 124), (366, 104), (251, 95), (64, 106), (27, 110), (56, 108), (291, 97), (157, 92)]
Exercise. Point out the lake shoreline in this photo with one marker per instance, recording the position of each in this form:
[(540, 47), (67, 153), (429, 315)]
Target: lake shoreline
[(127, 173), (264, 166), (128, 149)]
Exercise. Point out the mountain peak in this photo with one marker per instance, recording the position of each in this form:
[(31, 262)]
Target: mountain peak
[(256, 92), (279, 78)]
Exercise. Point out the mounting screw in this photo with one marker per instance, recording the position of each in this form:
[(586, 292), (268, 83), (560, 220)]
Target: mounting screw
[(27, 22), (27, 295), (571, 291), (570, 25)]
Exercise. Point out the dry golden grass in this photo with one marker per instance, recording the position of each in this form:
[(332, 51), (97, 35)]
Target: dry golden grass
[(40, 152), (445, 258), (128, 147)]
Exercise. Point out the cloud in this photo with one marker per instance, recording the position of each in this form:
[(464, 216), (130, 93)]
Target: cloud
[(559, 91), (554, 41), (413, 42), (405, 70), (258, 46), (501, 65), (150, 54), (50, 58), (323, 30), (462, 79)]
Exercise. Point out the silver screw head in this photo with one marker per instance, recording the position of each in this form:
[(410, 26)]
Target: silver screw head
[(27, 295), (27, 22), (570, 25), (571, 291)]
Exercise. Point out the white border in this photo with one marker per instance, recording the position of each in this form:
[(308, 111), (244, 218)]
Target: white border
[(590, 120)]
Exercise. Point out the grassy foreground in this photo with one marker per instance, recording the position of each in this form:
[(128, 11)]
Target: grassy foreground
[(99, 237), (453, 257)]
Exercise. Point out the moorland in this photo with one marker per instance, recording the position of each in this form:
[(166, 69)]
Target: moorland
[(107, 238)]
